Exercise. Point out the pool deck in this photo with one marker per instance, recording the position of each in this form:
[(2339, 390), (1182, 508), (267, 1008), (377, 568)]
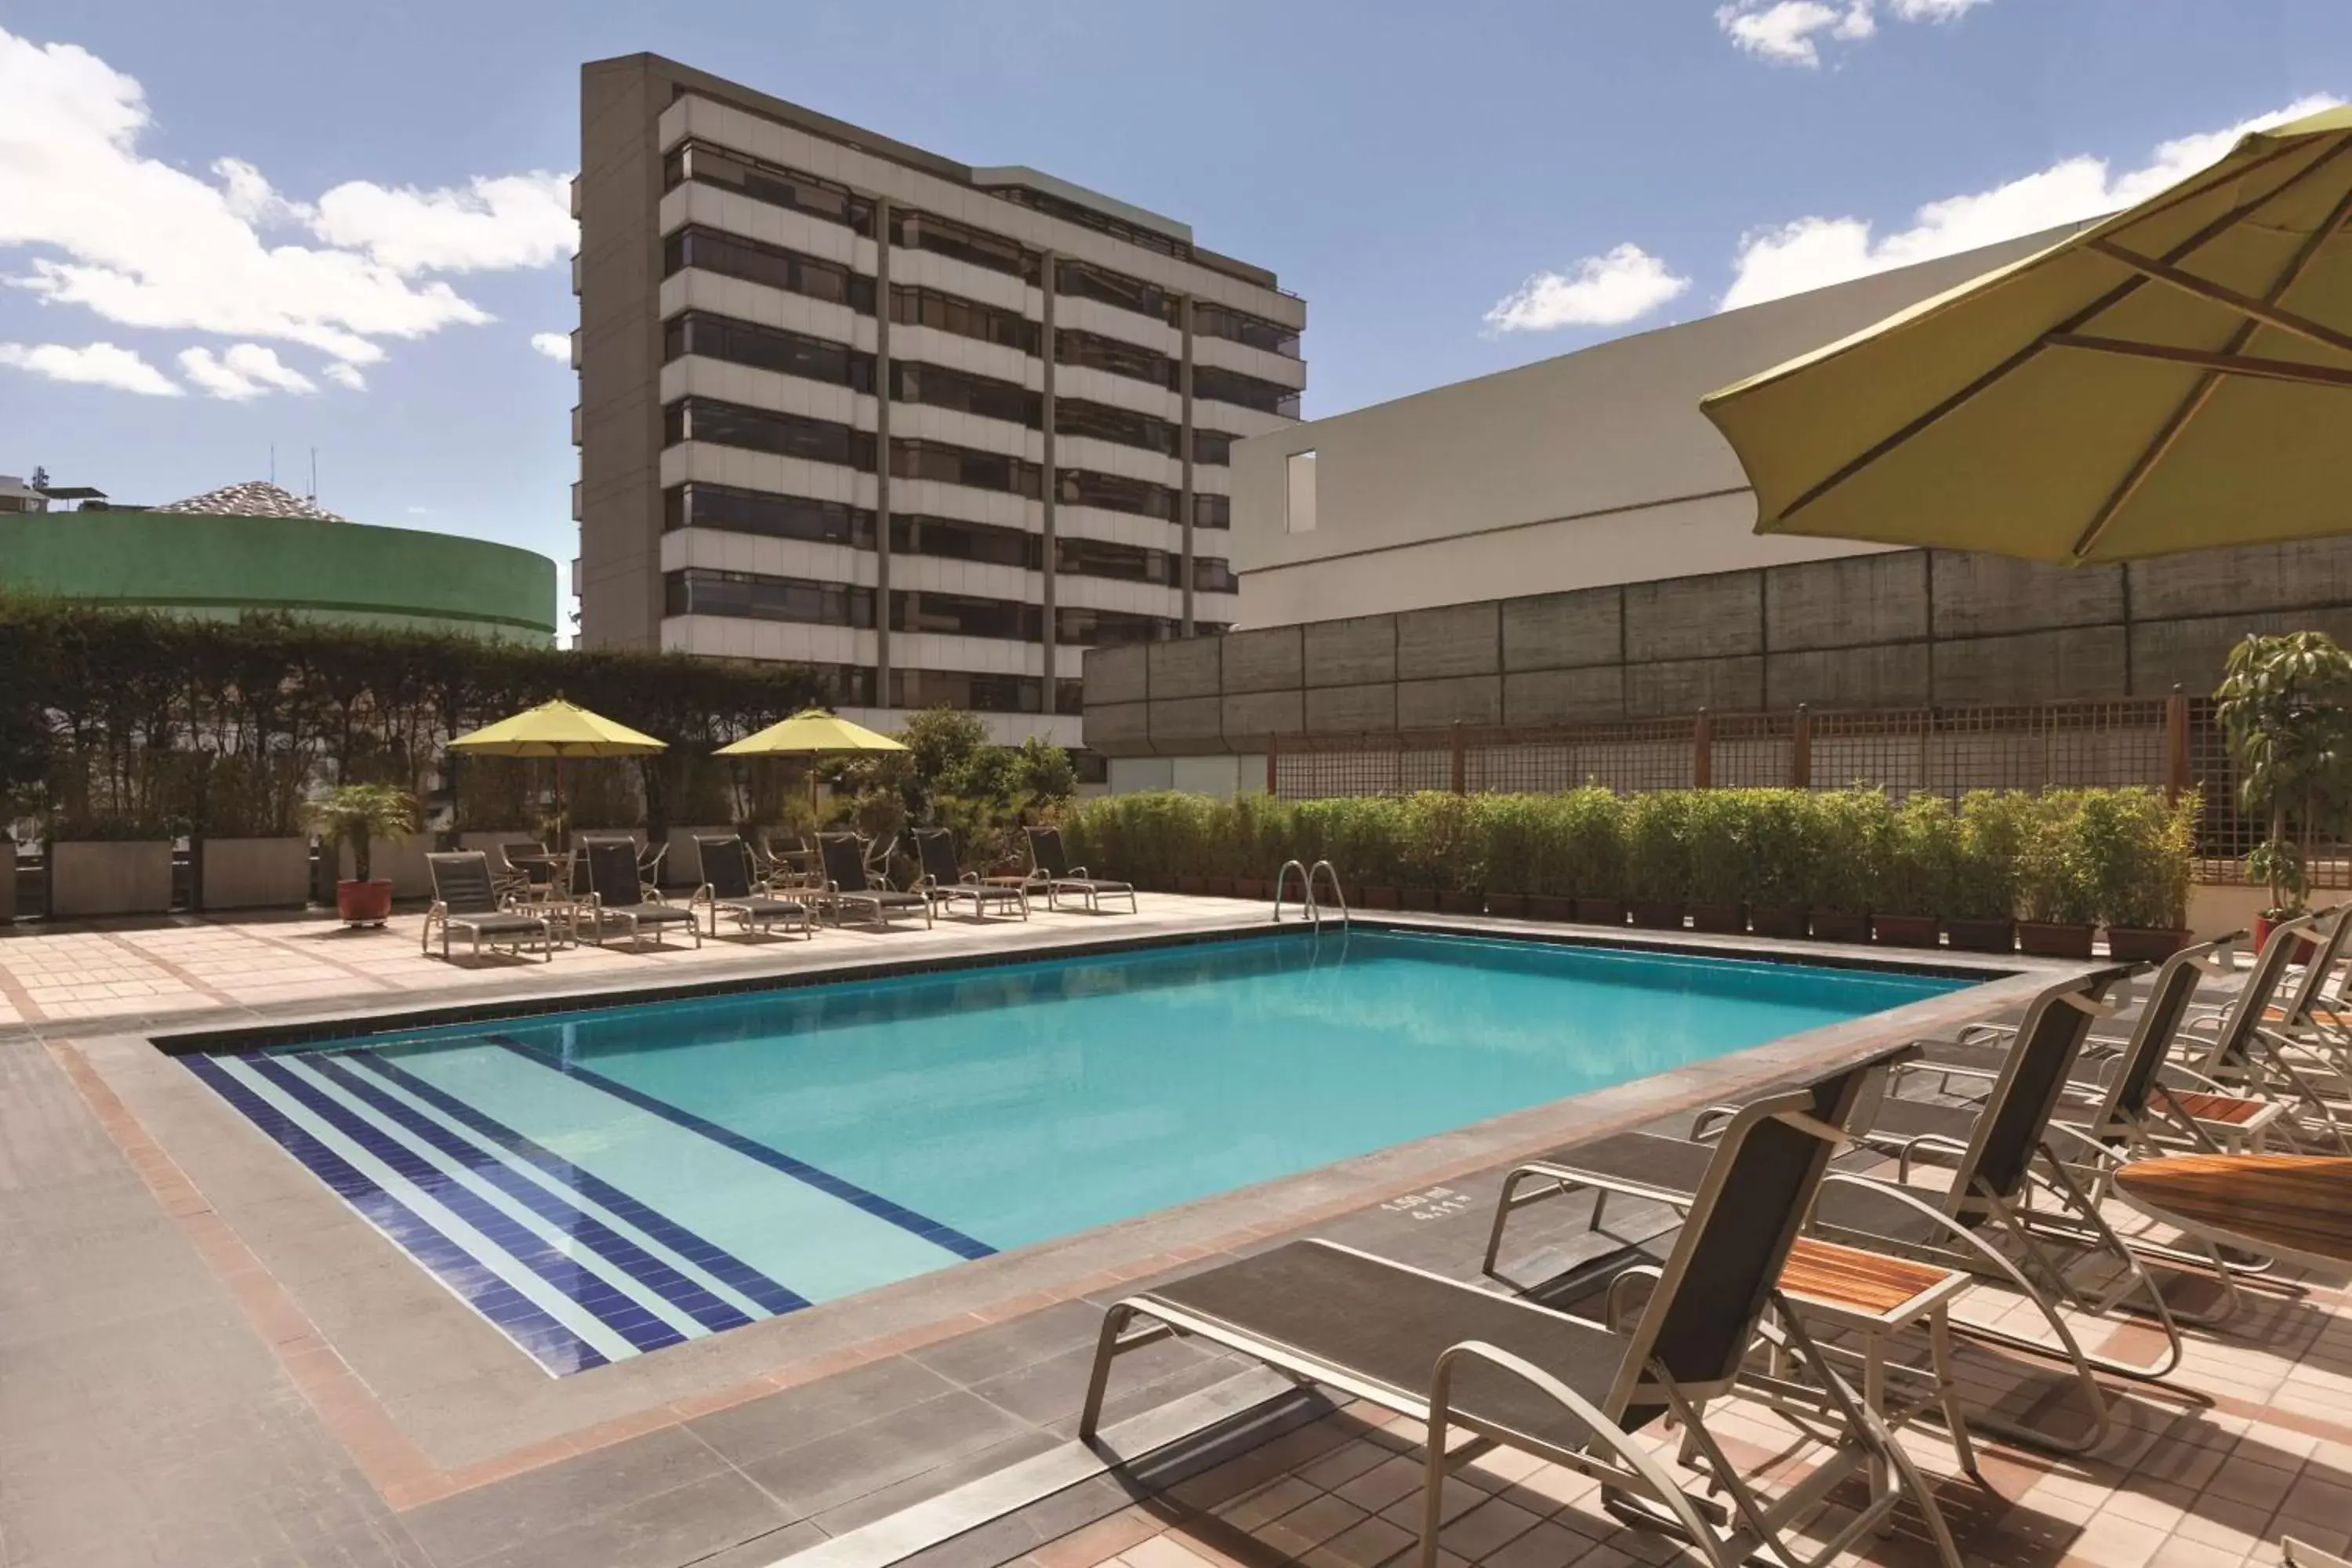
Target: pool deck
[(209, 1359)]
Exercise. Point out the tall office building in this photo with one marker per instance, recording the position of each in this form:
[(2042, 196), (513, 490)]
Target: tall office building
[(932, 430)]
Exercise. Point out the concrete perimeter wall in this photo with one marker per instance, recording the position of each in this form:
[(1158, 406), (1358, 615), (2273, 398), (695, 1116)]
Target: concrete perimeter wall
[(1905, 629)]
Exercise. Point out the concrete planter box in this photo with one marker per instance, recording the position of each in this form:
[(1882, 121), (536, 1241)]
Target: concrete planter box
[(7, 878), (403, 865), (682, 865), (254, 873), (109, 877)]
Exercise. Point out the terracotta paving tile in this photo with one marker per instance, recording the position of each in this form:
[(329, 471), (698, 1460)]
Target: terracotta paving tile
[(1103, 1539)]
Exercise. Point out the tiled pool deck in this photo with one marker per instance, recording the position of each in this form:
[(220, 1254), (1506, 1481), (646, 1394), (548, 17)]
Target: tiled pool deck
[(205, 1358)]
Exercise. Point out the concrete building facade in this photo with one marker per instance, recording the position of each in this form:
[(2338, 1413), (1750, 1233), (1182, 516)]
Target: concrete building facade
[(932, 429), (1572, 541)]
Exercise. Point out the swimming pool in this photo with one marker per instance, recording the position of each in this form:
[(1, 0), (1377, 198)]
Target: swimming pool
[(601, 1183)]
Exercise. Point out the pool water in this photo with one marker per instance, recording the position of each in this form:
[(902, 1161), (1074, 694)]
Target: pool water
[(602, 1184)]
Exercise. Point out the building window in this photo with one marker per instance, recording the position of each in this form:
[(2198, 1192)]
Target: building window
[(962, 466), (1213, 448), (1083, 281), (739, 511), (1211, 511), (748, 595), (1299, 493), (1122, 425), (1244, 391), (966, 319), (973, 692), (1058, 206), (1211, 575), (962, 616), (1116, 492), (766, 347), (1218, 322), (770, 182), (942, 236), (732, 256), (1115, 358), (952, 539), (1110, 628), (761, 430), (965, 393), (1101, 558)]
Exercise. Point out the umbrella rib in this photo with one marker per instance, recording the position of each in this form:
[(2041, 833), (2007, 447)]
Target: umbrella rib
[(2206, 384), (2098, 307), (2250, 365), (2258, 312)]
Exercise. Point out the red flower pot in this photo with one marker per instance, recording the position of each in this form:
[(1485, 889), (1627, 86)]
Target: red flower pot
[(2044, 939), (1833, 926), (2141, 944), (1905, 930), (1599, 912), (364, 903), (1982, 936)]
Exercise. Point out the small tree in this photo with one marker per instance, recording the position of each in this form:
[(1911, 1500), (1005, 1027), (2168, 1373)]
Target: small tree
[(2287, 707), (357, 815)]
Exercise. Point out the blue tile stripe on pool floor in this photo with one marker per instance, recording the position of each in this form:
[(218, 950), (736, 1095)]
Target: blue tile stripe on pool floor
[(880, 1207), (546, 1340), (715, 1260), (650, 1272), (626, 1317)]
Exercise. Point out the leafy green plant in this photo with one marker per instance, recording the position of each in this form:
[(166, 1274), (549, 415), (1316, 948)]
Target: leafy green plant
[(1992, 830), (357, 815), (1435, 843), (1514, 841), (1592, 828), (1715, 842), (1361, 837), (1916, 858), (1850, 830), (2137, 852), (2285, 706), (2054, 885), (1657, 845), (1785, 832)]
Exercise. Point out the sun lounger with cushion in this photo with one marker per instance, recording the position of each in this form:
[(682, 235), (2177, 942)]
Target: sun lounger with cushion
[(727, 885), (615, 894), (1050, 868), (847, 886), (464, 899), (944, 880)]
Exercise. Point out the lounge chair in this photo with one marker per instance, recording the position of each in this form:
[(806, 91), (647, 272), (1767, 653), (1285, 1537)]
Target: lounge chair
[(616, 893), (464, 899), (1572, 1391), (2253, 1057), (727, 885), (944, 881), (847, 886), (521, 865), (1988, 1192), (1050, 869)]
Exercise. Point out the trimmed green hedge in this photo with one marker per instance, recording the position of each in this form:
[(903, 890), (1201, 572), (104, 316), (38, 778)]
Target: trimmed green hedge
[(2117, 855)]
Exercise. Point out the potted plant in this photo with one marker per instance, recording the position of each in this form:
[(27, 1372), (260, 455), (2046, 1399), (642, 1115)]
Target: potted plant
[(1846, 827), (1510, 845), (2285, 707), (1781, 849), (1916, 851), (2055, 901), (359, 814), (1657, 857), (1363, 835), (1440, 855), (2140, 849), (1592, 856), (1981, 900), (1715, 838)]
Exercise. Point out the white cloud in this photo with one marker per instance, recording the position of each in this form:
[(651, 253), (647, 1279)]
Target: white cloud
[(146, 244), (554, 345), (1814, 252), (1786, 32), (96, 364), (246, 369), (345, 375), (1606, 290)]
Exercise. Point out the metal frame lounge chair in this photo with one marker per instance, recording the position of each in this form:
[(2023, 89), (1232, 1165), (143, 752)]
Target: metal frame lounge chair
[(466, 899), (1050, 868), (615, 892), (1989, 1188), (726, 862), (1516, 1374), (2251, 1059), (846, 883), (943, 878), (514, 876)]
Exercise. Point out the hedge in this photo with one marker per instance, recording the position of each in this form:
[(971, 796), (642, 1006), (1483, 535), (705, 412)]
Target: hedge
[(2118, 855)]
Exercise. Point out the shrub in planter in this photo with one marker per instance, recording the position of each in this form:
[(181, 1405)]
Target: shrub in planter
[(2137, 851), (1911, 870), (1590, 827), (1844, 829), (1511, 846), (1716, 841), (1438, 855), (1783, 837), (1979, 899), (1657, 858), (2057, 901), (1362, 838)]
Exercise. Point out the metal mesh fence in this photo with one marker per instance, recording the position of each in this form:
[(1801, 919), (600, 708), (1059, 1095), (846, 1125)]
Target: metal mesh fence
[(2172, 744)]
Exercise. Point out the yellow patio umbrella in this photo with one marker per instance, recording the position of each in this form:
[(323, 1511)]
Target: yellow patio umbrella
[(812, 732), (2173, 377), (557, 729)]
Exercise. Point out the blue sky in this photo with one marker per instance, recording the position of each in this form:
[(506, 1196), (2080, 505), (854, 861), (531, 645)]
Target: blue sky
[(1456, 189)]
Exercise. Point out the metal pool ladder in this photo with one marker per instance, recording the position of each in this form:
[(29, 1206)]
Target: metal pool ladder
[(1308, 907)]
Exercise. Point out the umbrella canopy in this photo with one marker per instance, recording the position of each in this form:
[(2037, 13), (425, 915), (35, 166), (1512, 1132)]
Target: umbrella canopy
[(812, 732), (2173, 377), (557, 729)]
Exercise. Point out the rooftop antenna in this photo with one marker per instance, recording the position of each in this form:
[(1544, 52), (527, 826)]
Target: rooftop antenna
[(314, 474), (273, 462)]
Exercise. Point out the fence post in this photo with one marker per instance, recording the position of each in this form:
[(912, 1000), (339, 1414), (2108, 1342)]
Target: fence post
[(1273, 748), (1702, 751), (2178, 777), (1800, 749), (1461, 758)]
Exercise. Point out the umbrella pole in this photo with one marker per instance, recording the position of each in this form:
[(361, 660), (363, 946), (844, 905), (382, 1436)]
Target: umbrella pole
[(562, 840)]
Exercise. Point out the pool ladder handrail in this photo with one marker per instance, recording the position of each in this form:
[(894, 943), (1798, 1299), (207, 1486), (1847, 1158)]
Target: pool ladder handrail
[(1338, 894), (1307, 910)]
